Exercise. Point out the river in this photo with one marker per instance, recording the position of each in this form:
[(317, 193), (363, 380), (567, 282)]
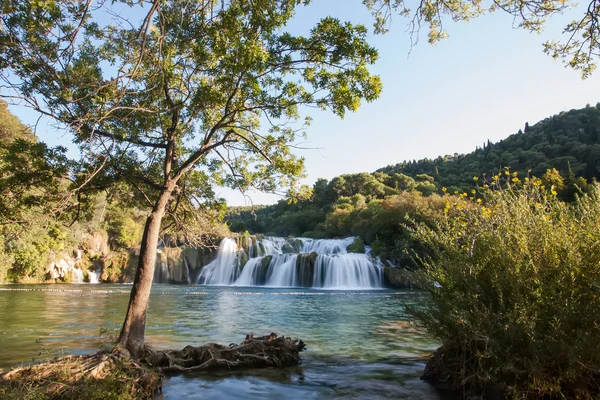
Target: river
[(359, 343)]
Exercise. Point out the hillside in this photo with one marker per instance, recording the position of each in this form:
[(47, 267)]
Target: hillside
[(568, 142)]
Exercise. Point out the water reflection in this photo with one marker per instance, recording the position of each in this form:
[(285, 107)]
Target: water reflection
[(359, 344)]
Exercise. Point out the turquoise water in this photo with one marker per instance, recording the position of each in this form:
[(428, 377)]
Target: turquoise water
[(359, 344)]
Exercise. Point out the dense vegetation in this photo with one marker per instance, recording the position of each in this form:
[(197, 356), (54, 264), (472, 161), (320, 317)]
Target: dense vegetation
[(43, 221), (513, 292), (563, 149), (568, 142)]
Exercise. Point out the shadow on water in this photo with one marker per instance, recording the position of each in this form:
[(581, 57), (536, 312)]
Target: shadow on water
[(360, 344)]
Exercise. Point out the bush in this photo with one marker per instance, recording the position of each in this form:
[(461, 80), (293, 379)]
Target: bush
[(514, 293), (125, 226), (357, 246), (28, 256)]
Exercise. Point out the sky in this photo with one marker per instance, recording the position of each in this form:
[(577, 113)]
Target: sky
[(484, 82)]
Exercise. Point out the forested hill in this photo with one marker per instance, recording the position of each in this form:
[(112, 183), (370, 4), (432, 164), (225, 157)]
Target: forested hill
[(368, 205), (567, 140)]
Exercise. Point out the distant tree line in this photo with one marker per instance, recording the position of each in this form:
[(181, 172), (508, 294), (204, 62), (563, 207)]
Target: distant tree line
[(563, 150)]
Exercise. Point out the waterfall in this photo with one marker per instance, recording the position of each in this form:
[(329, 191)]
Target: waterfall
[(252, 272), (347, 271), (293, 262), (282, 271), (326, 246), (271, 245), (224, 270), (161, 271), (94, 276), (76, 275)]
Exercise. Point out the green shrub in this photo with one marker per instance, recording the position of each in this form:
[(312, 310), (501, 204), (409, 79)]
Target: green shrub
[(125, 226), (357, 246), (515, 292)]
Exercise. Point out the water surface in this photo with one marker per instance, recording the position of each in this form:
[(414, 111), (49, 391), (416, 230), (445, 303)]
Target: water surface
[(359, 344)]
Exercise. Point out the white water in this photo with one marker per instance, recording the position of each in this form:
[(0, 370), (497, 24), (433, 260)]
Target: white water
[(94, 275), (77, 275), (347, 271), (326, 246), (332, 268), (272, 245), (250, 272), (161, 271), (224, 270), (282, 271)]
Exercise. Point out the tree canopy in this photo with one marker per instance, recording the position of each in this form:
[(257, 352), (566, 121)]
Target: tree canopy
[(149, 99), (174, 97)]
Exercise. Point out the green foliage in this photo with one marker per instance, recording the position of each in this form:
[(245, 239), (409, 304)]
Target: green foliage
[(6, 260), (513, 291), (568, 142), (377, 207), (125, 226), (580, 50), (31, 252), (357, 246), (43, 220), (11, 128), (152, 106), (30, 172)]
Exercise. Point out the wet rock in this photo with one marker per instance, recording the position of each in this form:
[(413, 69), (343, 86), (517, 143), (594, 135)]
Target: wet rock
[(396, 278)]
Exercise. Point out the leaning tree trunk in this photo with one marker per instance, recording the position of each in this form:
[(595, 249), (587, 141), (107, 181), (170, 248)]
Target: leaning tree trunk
[(132, 332)]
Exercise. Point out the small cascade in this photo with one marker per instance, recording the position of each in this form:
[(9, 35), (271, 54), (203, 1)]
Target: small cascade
[(225, 269), (161, 271), (94, 276), (292, 262), (270, 245), (76, 275), (326, 246), (347, 271), (188, 270), (282, 271), (254, 272)]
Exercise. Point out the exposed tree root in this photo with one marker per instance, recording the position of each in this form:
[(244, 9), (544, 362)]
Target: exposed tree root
[(260, 352), (106, 374)]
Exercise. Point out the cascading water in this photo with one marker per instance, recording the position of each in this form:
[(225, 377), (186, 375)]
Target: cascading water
[(94, 276), (293, 262), (326, 246), (77, 275), (347, 271), (225, 268)]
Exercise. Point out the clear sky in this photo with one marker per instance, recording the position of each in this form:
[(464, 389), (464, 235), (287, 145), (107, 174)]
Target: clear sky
[(484, 82)]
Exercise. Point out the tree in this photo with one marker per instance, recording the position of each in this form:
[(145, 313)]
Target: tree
[(31, 177), (178, 100)]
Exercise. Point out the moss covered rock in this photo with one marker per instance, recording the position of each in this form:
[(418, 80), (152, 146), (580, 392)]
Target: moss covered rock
[(396, 278)]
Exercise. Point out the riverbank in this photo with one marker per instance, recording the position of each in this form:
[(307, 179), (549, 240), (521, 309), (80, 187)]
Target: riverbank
[(114, 374)]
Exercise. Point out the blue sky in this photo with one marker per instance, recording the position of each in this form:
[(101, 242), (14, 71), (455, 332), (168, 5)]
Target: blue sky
[(484, 82)]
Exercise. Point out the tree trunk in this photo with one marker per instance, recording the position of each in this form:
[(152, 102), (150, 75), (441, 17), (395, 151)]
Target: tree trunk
[(132, 332)]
